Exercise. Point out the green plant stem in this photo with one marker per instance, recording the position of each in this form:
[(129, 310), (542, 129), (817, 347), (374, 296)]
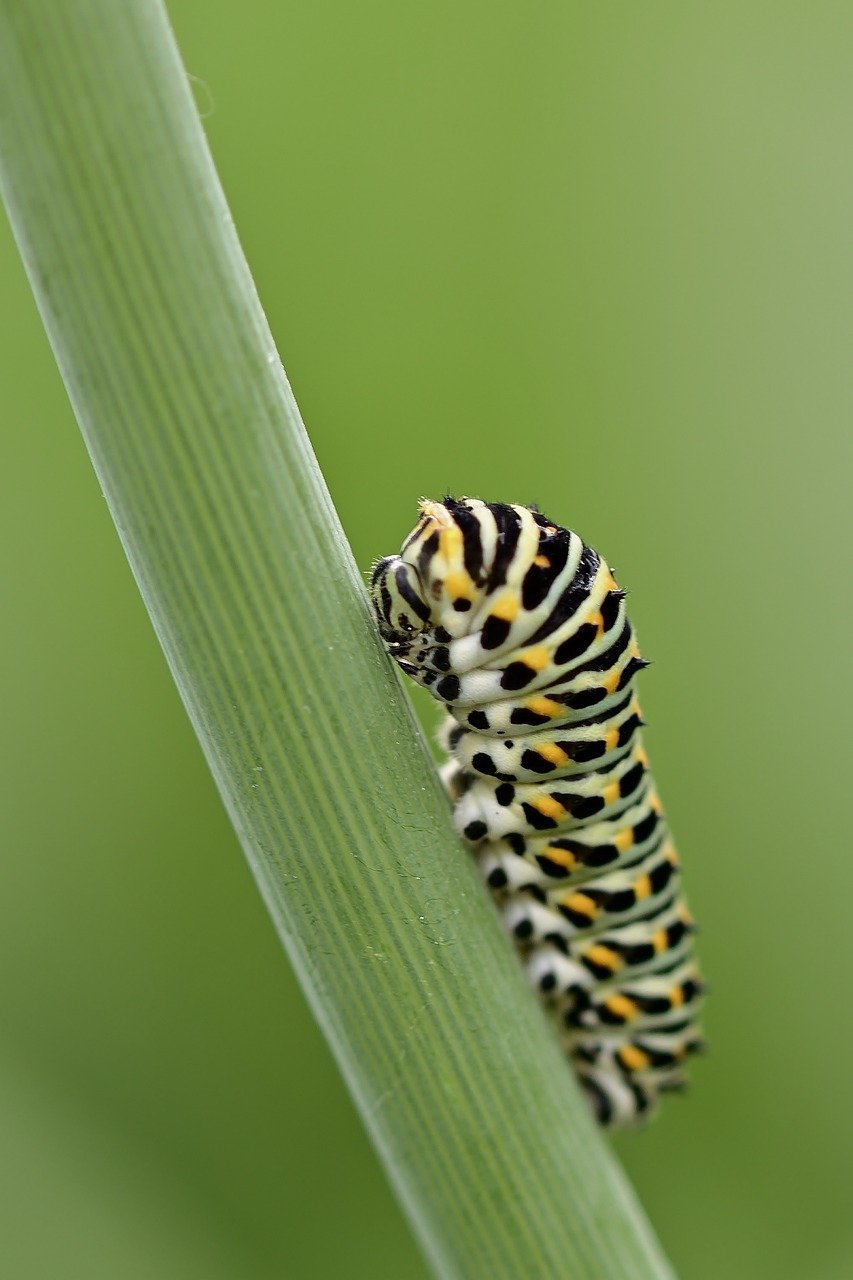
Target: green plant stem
[(251, 587)]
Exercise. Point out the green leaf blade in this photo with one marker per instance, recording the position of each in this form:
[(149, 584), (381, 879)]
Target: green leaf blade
[(261, 612)]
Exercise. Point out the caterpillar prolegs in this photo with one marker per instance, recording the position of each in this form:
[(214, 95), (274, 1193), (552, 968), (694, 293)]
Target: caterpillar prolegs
[(520, 630)]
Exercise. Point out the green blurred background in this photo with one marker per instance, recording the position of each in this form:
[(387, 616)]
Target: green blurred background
[(596, 257)]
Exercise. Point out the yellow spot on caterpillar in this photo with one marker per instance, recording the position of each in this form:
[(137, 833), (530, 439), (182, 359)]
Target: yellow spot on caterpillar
[(544, 707), (542, 562), (643, 888), (610, 794), (537, 659), (562, 857), (506, 608), (634, 651), (684, 915), (659, 941), (597, 621), (655, 804), (582, 904), (621, 1007), (671, 854), (549, 807), (459, 586), (610, 582), (604, 957), (641, 756), (632, 1058), (552, 753), (611, 739), (434, 519), (450, 542), (612, 680), (676, 997)]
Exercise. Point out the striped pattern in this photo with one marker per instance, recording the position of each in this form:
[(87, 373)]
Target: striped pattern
[(520, 629)]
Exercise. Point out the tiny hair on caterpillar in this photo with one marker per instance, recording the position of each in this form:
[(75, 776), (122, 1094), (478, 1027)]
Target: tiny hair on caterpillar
[(519, 629)]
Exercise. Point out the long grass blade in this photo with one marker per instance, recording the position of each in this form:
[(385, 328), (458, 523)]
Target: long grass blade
[(240, 558)]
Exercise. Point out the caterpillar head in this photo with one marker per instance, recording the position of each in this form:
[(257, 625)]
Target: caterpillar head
[(457, 552), (429, 584), (399, 601)]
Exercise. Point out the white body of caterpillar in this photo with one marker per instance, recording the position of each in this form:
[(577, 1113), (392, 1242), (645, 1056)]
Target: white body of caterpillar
[(520, 630)]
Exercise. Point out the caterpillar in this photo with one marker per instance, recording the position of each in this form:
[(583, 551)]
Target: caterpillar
[(519, 629)]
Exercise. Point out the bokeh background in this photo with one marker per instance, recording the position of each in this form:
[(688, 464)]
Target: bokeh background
[(593, 256)]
